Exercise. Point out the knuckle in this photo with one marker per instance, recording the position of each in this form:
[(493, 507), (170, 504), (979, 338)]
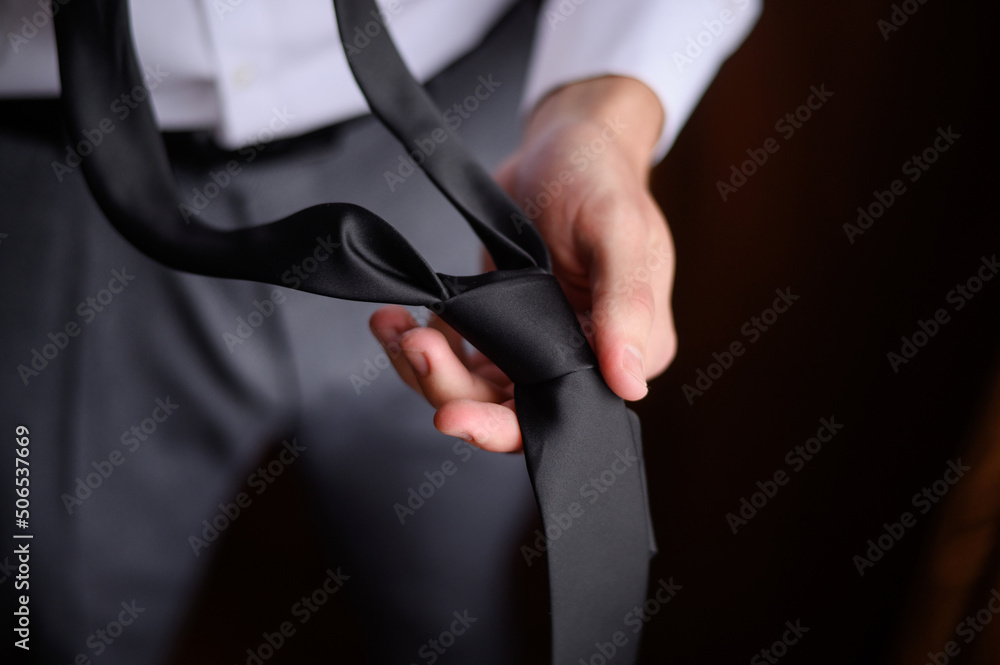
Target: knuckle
[(642, 299)]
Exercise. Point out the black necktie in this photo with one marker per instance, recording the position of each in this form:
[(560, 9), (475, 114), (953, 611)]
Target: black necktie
[(581, 443)]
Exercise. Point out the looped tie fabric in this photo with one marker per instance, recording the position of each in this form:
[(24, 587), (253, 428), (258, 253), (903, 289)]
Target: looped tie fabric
[(582, 445)]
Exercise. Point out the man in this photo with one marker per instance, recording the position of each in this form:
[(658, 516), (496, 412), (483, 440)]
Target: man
[(151, 395)]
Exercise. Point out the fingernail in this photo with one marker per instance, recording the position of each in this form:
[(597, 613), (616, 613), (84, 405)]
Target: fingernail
[(418, 361), (385, 335), (464, 436), (632, 363), (389, 338)]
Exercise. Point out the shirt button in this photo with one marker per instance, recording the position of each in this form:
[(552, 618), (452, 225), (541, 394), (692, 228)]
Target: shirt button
[(244, 76)]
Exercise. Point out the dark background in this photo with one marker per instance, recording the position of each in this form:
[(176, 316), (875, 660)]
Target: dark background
[(825, 357)]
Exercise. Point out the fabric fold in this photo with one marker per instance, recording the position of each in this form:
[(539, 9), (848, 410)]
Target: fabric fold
[(581, 443)]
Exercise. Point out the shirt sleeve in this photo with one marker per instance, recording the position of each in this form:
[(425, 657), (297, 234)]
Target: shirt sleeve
[(675, 47)]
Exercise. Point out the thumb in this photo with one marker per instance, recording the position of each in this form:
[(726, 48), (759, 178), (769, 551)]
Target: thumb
[(506, 175), (624, 309)]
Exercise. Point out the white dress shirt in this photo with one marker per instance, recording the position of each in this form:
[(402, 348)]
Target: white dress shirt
[(252, 70)]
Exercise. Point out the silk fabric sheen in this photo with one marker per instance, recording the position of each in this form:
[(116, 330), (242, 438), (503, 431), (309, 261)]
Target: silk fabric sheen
[(575, 429)]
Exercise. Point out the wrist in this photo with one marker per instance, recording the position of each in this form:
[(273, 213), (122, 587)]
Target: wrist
[(625, 105)]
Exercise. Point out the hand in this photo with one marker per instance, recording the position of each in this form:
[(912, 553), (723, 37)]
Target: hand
[(581, 174)]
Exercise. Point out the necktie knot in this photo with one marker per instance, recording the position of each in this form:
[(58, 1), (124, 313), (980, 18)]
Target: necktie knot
[(574, 428), (522, 322)]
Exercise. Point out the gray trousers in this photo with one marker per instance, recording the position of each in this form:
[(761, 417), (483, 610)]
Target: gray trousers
[(151, 395)]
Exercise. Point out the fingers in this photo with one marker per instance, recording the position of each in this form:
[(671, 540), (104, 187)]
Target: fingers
[(506, 174), (440, 373), (455, 341), (482, 366), (387, 324), (633, 322), (431, 360), (492, 427), (622, 325), (426, 359)]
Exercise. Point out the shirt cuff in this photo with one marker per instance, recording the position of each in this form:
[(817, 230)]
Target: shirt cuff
[(675, 47)]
